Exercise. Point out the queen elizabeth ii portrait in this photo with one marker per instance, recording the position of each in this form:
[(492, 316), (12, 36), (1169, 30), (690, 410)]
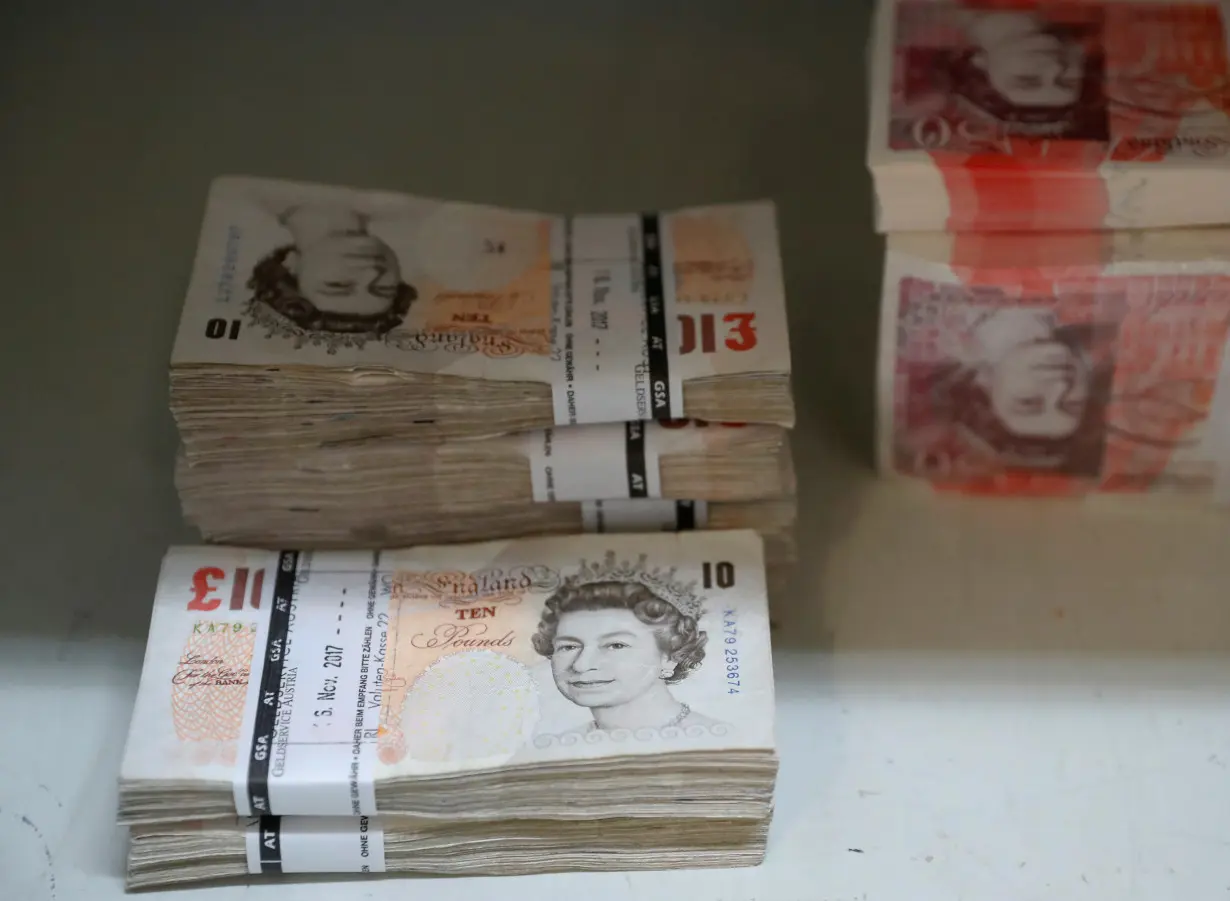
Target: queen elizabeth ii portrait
[(1029, 73), (1027, 390), (333, 277), (617, 647)]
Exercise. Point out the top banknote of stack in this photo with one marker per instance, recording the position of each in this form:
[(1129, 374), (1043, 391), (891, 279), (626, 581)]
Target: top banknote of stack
[(554, 678), (989, 115), (318, 315), (1090, 365)]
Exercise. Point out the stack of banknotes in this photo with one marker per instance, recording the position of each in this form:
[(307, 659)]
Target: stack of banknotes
[(580, 702), (395, 492), (1034, 115), (1053, 321), (379, 380), (360, 368)]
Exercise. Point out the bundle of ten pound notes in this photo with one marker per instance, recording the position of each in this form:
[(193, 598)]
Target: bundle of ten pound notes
[(368, 377), (454, 709)]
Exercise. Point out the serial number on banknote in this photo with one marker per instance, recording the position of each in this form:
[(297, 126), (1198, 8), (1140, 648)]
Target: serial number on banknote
[(730, 647)]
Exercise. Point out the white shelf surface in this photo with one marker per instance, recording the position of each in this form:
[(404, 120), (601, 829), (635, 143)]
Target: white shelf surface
[(976, 700)]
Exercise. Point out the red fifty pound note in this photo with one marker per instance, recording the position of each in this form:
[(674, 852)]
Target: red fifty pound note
[(1101, 383), (1037, 115)]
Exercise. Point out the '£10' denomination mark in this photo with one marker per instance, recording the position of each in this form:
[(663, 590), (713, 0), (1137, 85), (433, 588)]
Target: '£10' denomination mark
[(740, 336), (209, 579)]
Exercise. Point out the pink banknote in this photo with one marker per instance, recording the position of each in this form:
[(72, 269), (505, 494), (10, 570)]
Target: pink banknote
[(1091, 382), (1021, 104)]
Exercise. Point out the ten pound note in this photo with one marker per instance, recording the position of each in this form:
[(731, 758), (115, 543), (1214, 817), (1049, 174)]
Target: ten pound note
[(319, 314), (554, 678), (1026, 115), (1061, 365)]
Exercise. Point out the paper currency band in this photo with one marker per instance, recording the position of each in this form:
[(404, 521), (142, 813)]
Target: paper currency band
[(613, 329), (634, 445), (606, 461), (269, 837), (655, 316), (277, 845), (260, 753), (643, 515)]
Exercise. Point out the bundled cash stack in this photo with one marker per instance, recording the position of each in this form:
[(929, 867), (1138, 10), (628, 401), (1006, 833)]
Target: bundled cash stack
[(397, 493), (361, 372), (1072, 356), (582, 702), (1042, 116), (367, 369), (676, 460), (318, 315)]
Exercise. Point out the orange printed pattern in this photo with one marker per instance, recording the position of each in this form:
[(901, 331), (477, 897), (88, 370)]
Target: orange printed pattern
[(713, 260), (435, 616), (209, 689), (1166, 64), (1171, 344), (506, 313)]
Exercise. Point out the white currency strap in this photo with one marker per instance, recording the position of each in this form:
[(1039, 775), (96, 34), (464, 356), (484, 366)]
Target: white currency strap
[(644, 515), (614, 328), (315, 845), (585, 462), (307, 745)]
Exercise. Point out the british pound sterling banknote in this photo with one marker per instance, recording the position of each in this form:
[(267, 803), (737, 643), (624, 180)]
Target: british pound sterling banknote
[(1024, 115), (1080, 364), (451, 681), (316, 308)]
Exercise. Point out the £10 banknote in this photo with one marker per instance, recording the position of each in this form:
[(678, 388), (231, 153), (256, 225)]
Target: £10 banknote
[(299, 683), (615, 312)]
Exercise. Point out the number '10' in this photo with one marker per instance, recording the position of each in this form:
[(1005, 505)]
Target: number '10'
[(206, 580), (740, 332), (722, 573), (217, 328)]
